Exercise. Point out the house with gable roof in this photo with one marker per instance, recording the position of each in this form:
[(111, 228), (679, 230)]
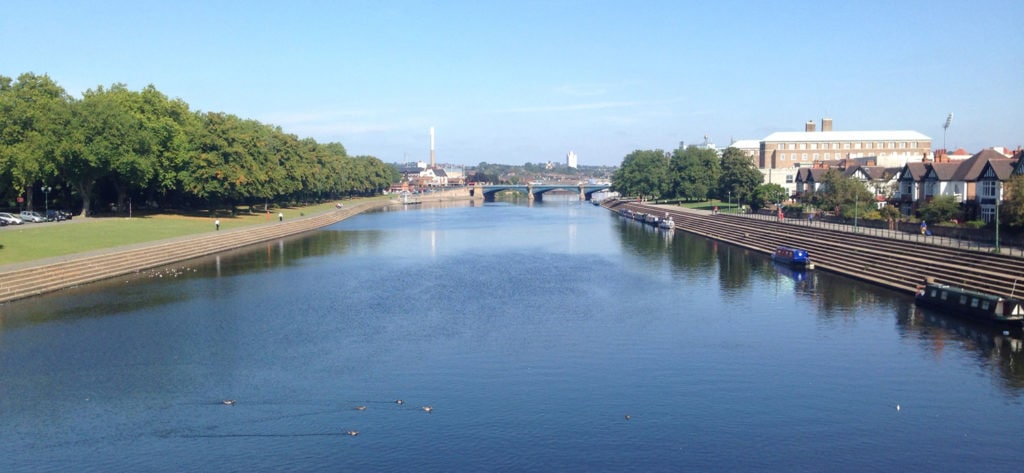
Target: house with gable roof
[(975, 182)]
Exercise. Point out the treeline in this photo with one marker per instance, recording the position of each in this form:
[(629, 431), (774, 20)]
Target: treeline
[(695, 174), (115, 144)]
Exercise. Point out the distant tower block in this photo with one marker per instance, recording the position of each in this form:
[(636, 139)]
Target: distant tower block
[(571, 160), (431, 147)]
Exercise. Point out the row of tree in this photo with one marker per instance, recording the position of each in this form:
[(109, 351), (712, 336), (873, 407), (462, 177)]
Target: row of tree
[(695, 174), (114, 144)]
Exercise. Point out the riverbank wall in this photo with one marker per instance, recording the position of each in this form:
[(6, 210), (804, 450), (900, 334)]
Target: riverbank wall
[(893, 259), (23, 280)]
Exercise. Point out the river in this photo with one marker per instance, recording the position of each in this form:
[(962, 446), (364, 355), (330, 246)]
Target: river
[(554, 336)]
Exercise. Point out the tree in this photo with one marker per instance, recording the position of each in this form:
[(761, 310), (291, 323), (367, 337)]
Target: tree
[(694, 173), (739, 176), (34, 112), (941, 208), (1011, 210), (102, 138), (768, 194), (643, 173)]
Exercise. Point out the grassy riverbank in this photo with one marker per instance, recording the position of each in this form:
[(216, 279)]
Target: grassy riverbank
[(33, 241)]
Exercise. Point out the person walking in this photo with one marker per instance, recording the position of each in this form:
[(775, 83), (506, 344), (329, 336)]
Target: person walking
[(280, 216), (216, 224)]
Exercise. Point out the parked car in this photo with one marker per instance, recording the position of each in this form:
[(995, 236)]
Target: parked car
[(30, 216), (11, 219), (57, 216)]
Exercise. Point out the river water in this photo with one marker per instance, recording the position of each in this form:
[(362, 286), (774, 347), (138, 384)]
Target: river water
[(554, 336)]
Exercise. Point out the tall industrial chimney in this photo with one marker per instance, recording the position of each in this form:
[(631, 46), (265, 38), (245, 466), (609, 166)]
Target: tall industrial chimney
[(431, 147)]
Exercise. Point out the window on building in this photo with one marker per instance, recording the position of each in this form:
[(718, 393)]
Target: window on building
[(803, 157), (789, 178), (835, 145), (846, 145), (988, 189), (988, 213), (856, 145), (892, 145), (803, 145), (827, 155), (782, 157), (792, 146), (903, 145), (814, 145), (815, 156)]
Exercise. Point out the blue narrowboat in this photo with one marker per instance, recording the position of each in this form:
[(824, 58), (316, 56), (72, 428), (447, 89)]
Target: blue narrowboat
[(793, 256)]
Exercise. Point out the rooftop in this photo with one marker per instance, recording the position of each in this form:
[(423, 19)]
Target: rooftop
[(817, 136)]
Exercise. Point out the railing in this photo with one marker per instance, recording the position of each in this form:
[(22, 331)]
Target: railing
[(943, 236)]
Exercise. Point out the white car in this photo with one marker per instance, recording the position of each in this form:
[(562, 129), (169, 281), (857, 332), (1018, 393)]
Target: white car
[(30, 216), (10, 219)]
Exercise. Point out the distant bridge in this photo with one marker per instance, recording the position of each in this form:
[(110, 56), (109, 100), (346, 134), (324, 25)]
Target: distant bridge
[(536, 191)]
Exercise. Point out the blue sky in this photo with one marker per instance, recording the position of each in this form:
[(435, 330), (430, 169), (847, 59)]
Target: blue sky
[(515, 82)]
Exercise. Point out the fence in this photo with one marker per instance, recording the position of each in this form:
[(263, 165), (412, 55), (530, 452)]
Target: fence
[(955, 237)]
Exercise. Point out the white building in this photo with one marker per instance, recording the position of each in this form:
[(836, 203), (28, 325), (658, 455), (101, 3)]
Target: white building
[(571, 160)]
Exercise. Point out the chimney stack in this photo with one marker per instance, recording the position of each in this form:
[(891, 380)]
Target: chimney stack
[(826, 124), (809, 126)]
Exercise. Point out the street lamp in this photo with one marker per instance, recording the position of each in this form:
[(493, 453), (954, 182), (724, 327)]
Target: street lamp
[(999, 186), (730, 199), (46, 199), (856, 204)]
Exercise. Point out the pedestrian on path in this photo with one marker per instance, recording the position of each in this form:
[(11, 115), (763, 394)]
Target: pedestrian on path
[(216, 224), (280, 216)]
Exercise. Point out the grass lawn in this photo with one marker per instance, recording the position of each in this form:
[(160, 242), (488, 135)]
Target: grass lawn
[(709, 205), (33, 241)]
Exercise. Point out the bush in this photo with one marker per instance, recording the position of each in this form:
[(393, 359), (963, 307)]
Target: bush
[(975, 224)]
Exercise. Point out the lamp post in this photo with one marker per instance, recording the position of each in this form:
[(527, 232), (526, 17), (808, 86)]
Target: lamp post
[(856, 205), (730, 199), (46, 199), (999, 186)]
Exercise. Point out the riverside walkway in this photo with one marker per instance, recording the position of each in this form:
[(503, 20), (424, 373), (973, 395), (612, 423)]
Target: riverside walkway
[(22, 280), (898, 260)]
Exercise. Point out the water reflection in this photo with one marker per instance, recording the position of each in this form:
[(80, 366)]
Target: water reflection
[(993, 347), (835, 298)]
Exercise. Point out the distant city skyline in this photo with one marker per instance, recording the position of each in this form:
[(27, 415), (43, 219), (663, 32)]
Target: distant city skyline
[(517, 82)]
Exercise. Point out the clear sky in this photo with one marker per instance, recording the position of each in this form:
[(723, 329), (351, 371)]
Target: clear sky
[(527, 81)]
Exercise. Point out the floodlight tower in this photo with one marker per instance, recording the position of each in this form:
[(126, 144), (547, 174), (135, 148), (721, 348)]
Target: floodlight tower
[(431, 147), (945, 127)]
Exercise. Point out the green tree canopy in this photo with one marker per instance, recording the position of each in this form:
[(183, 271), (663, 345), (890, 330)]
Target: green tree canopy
[(643, 173), (694, 173), (739, 176), (941, 208)]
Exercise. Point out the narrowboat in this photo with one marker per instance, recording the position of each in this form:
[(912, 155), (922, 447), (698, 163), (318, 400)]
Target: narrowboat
[(793, 256), (970, 304)]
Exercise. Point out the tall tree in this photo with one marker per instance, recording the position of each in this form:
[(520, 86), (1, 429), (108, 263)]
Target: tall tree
[(694, 173), (739, 176), (34, 112), (643, 173)]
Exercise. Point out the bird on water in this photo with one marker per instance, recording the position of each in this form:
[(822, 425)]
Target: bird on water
[(228, 402), (427, 409)]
